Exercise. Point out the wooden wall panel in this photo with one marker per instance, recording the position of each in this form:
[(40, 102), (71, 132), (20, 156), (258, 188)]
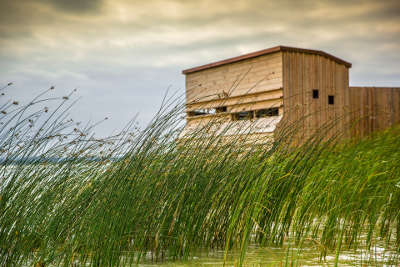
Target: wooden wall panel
[(286, 80), (247, 85), (232, 101), (301, 74), (373, 109), (248, 76)]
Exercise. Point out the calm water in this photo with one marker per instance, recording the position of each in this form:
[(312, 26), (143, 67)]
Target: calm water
[(273, 256)]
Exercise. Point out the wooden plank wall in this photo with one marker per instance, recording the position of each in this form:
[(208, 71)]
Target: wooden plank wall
[(373, 109), (287, 79), (250, 84), (301, 74), (250, 76)]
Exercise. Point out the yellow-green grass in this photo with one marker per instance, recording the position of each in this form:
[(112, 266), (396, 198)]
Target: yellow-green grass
[(145, 193)]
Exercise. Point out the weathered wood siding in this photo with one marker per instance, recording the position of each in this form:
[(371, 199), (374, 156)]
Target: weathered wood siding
[(373, 109), (242, 85), (284, 78), (303, 72)]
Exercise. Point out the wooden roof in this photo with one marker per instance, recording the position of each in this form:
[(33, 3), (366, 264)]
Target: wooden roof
[(265, 52)]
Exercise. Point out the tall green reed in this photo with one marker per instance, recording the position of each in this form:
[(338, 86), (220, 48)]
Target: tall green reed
[(69, 198)]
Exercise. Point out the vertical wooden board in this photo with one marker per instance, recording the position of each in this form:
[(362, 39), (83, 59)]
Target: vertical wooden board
[(313, 102), (284, 85), (324, 93), (295, 94), (286, 103), (363, 107), (341, 108), (388, 107), (377, 99), (356, 112), (350, 114), (328, 87), (341, 89), (344, 90), (346, 99), (289, 91), (396, 105), (349, 94), (300, 93), (375, 109), (319, 85), (381, 104), (347, 109), (391, 102), (353, 111), (390, 110), (339, 92), (393, 107), (306, 95), (303, 95), (371, 110), (362, 110), (331, 91), (289, 97), (291, 88)]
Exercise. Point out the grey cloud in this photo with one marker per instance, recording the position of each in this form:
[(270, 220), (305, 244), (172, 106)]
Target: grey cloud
[(122, 55), (78, 6)]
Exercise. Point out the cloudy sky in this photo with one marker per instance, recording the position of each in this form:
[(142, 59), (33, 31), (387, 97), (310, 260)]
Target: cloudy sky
[(122, 55)]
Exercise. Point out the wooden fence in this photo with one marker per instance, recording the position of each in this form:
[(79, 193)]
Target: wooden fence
[(373, 109)]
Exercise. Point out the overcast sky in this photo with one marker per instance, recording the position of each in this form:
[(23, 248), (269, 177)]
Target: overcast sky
[(122, 55)]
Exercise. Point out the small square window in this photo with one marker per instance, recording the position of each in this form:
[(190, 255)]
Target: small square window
[(331, 99), (315, 93)]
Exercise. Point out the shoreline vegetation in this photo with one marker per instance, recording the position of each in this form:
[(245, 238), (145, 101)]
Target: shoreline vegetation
[(149, 195)]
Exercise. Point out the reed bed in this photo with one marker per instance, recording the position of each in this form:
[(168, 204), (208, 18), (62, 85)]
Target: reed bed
[(68, 198)]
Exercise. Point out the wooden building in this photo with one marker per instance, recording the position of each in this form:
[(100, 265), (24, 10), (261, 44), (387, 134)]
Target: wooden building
[(280, 86)]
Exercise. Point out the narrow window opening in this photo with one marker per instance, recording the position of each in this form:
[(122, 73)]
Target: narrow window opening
[(243, 115), (315, 93), (199, 112), (331, 99), (268, 112), (221, 109)]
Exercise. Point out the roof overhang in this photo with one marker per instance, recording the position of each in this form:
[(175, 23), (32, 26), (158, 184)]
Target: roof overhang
[(266, 52)]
